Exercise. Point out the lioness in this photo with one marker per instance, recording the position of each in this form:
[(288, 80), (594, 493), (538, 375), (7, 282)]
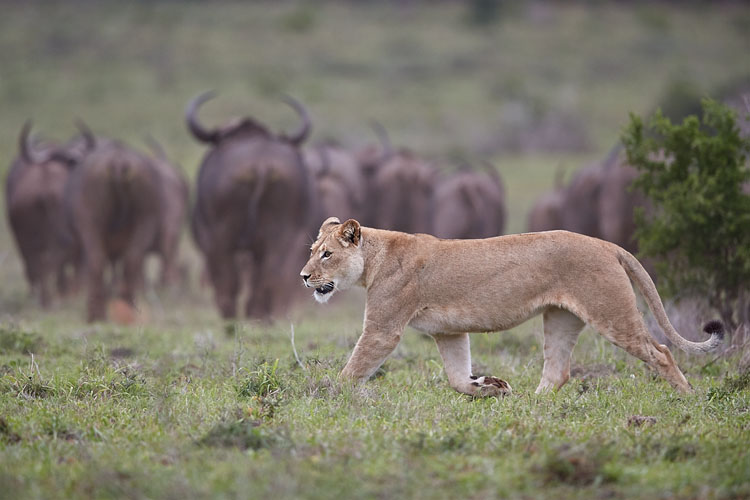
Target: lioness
[(447, 288)]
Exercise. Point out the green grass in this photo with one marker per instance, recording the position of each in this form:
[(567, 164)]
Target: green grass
[(180, 408), (186, 410)]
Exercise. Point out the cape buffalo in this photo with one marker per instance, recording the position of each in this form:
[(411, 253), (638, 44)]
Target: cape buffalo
[(546, 214), (255, 205), (598, 202), (34, 193), (617, 204), (400, 186), (372, 156), (402, 194), (469, 204), (174, 205), (114, 199), (342, 189), (580, 210)]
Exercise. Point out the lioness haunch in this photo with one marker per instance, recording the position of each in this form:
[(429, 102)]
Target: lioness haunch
[(447, 288)]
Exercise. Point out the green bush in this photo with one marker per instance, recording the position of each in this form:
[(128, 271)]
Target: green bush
[(698, 232)]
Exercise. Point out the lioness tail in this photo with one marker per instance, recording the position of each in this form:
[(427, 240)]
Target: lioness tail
[(643, 281)]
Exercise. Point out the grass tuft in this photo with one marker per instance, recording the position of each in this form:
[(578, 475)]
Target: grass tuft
[(15, 340), (730, 386), (432, 442), (7, 435), (57, 427), (262, 381), (578, 465), (26, 386), (245, 435)]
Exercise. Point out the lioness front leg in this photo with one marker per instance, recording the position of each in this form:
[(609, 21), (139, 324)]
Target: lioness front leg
[(456, 353), (372, 348)]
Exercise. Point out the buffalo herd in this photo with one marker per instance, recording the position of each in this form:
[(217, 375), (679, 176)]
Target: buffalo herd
[(598, 201), (87, 212)]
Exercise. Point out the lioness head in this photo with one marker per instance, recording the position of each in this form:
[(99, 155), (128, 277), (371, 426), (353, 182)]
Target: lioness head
[(336, 261)]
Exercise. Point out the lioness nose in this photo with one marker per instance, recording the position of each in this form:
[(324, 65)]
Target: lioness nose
[(305, 277)]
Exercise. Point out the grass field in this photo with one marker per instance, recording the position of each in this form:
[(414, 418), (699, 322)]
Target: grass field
[(188, 407), (182, 409)]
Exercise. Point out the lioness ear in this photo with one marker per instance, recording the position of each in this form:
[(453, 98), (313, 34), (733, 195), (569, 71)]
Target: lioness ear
[(350, 232), (328, 222)]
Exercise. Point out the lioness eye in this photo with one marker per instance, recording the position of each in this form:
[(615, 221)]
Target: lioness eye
[(326, 254)]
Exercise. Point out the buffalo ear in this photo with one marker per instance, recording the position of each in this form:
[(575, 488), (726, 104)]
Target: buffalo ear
[(350, 232), (328, 222)]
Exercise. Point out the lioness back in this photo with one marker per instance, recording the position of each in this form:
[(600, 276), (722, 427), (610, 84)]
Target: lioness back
[(496, 283)]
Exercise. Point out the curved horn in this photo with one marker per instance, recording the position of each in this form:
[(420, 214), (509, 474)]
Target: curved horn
[(88, 136), (385, 140), (303, 131), (25, 147), (200, 133)]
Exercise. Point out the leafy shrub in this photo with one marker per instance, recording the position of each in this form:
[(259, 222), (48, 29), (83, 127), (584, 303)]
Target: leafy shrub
[(699, 231)]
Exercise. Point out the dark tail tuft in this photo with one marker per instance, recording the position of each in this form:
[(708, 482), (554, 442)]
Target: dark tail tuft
[(714, 327)]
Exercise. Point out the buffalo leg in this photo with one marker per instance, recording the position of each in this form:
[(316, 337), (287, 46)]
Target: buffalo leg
[(168, 261), (263, 287), (132, 279), (225, 280), (96, 301)]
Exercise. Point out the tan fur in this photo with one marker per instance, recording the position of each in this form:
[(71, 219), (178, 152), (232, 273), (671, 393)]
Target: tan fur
[(447, 288)]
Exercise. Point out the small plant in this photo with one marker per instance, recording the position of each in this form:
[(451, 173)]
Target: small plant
[(261, 382), (699, 230), (27, 384)]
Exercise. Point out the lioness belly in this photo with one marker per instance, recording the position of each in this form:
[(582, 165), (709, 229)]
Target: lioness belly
[(435, 320)]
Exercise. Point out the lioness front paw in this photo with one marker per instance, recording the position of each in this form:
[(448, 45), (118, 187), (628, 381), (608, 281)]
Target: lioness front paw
[(490, 386)]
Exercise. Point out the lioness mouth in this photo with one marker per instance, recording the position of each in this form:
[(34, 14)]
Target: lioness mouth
[(327, 288)]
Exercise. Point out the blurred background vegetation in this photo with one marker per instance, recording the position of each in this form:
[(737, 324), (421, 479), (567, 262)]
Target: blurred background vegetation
[(531, 86)]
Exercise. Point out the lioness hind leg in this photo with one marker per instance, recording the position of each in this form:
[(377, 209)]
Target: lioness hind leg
[(456, 354), (561, 330), (630, 333)]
